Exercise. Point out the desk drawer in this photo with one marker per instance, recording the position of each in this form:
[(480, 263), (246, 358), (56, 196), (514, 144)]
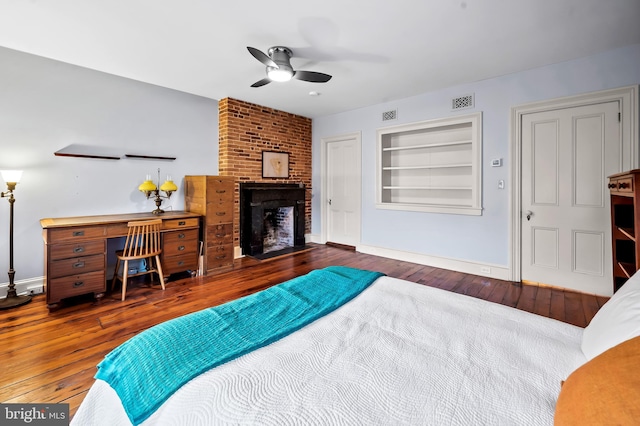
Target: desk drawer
[(177, 248), (76, 265), (185, 262), (193, 222), (61, 288), (79, 233), (179, 236), (83, 248)]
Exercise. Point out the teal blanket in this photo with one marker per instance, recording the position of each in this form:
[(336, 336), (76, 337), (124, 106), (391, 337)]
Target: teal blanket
[(148, 368)]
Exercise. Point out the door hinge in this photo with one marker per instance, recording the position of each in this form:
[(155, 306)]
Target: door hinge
[(619, 117)]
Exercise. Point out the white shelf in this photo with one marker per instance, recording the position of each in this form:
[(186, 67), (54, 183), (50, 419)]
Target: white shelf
[(431, 166), (431, 145), (464, 188)]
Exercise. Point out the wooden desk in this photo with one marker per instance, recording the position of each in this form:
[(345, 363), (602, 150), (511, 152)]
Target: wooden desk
[(75, 257)]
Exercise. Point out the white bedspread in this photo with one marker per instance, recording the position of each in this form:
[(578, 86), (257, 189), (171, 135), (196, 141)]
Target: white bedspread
[(399, 353)]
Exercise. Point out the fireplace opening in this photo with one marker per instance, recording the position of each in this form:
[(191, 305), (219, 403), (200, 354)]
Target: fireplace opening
[(277, 230), (271, 218)]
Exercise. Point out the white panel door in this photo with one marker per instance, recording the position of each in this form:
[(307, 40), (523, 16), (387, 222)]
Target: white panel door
[(567, 155), (343, 191)]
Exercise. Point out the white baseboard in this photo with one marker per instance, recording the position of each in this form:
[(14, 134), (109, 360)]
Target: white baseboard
[(313, 238), (28, 286), (465, 266), (468, 267)]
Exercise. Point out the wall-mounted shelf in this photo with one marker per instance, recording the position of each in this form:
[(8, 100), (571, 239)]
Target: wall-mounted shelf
[(88, 151), (104, 153), (149, 157)]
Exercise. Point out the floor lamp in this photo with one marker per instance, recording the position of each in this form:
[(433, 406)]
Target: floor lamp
[(11, 177)]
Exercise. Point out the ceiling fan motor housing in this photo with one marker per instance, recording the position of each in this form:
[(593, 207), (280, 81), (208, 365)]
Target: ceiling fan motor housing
[(281, 56)]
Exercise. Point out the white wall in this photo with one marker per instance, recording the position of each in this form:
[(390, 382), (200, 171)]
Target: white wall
[(481, 239), (46, 105)]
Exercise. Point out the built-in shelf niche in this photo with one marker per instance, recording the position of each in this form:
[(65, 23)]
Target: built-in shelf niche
[(432, 166)]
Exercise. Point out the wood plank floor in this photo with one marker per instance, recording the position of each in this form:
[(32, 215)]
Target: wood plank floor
[(49, 357)]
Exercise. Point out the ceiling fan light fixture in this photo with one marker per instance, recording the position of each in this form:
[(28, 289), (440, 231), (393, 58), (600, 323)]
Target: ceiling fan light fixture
[(279, 74)]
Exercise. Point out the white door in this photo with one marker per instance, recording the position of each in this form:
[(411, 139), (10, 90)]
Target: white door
[(343, 190), (566, 156)]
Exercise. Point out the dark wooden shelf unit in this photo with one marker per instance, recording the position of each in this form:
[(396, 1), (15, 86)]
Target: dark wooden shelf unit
[(625, 221)]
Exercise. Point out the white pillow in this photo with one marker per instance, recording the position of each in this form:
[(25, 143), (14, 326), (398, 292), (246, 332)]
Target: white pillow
[(617, 321)]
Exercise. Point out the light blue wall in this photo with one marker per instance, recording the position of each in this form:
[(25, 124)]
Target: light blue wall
[(483, 238), (46, 105)]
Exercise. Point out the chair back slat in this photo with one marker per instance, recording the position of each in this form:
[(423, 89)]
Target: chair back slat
[(143, 238)]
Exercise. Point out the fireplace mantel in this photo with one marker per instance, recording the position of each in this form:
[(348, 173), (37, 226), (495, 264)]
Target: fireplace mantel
[(255, 197)]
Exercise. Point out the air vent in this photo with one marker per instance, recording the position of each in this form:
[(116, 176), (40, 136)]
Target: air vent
[(462, 102), (390, 115)]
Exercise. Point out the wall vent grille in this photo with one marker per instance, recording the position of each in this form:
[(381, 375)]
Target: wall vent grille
[(462, 102), (390, 115)]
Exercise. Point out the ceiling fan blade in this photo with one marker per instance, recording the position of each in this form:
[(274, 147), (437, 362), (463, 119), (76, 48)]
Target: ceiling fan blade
[(262, 57), (312, 76), (262, 82)]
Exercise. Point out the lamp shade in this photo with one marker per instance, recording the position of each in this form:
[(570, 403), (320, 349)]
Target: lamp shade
[(279, 74), (12, 176), (168, 186), (147, 186)]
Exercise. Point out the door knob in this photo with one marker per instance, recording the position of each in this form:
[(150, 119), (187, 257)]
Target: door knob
[(329, 201), (529, 214)]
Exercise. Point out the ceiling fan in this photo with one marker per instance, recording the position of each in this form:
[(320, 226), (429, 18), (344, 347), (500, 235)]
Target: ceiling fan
[(279, 68)]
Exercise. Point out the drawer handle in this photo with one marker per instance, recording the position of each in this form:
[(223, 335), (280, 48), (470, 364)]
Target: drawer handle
[(180, 248), (611, 185), (78, 233), (78, 249), (78, 265), (78, 284), (221, 191), (220, 248), (182, 223), (181, 235), (220, 213), (181, 263), (220, 235), (623, 185), (221, 257)]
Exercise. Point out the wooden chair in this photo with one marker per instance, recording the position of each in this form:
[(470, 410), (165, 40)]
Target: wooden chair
[(143, 242)]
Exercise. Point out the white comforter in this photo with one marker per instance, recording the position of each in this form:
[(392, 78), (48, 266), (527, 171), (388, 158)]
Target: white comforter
[(399, 353)]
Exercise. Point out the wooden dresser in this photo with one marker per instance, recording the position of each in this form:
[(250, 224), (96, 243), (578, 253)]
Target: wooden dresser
[(624, 189), (75, 259), (213, 198)]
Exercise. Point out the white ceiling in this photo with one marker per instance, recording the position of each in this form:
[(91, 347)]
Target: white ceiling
[(376, 50)]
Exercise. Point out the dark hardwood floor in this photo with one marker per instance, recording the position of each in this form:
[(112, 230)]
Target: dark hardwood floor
[(49, 357)]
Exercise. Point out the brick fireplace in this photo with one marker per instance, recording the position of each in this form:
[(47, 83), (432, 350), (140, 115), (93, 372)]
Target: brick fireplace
[(271, 218), (245, 130)]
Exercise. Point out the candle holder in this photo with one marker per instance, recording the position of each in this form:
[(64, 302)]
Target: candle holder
[(151, 189)]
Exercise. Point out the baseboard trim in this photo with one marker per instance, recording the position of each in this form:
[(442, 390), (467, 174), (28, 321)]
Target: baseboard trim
[(27, 286), (476, 268)]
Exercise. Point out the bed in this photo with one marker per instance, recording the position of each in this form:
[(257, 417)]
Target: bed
[(393, 352)]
